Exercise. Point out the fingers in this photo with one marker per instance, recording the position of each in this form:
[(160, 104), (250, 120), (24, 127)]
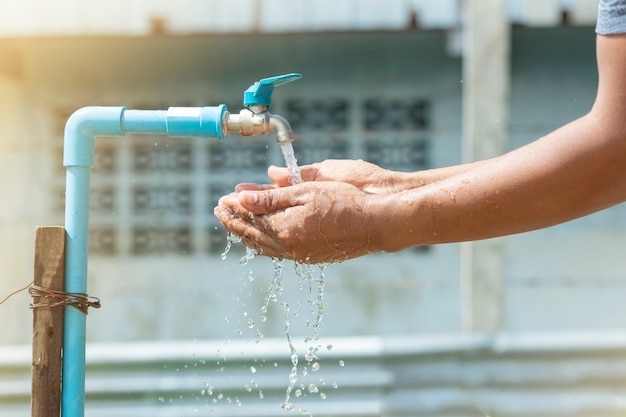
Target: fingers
[(263, 250), (253, 231), (309, 172), (252, 186), (267, 201), (254, 213), (259, 199), (280, 175)]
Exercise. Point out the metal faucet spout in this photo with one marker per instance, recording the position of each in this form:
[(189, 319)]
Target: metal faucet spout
[(280, 125), (252, 122)]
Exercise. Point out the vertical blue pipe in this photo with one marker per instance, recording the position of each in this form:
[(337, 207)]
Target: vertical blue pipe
[(78, 156), (76, 221)]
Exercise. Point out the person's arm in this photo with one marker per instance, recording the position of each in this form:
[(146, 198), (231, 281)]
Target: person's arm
[(575, 170)]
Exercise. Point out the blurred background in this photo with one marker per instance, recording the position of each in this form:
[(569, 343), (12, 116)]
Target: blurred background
[(524, 325)]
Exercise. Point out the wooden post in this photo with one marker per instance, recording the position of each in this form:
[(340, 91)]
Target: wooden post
[(48, 323), (486, 45)]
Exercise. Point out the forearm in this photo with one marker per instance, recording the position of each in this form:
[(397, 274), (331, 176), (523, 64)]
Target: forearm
[(410, 180), (574, 171)]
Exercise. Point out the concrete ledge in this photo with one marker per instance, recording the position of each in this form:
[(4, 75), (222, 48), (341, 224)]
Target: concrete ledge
[(556, 374)]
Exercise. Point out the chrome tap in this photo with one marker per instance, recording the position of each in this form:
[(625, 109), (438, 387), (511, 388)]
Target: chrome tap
[(255, 119)]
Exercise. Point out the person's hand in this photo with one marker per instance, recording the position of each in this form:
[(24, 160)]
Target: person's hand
[(313, 222), (363, 175)]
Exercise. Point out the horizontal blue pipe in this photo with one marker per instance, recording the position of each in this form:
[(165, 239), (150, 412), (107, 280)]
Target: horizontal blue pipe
[(78, 158), (144, 121), (176, 121), (196, 121)]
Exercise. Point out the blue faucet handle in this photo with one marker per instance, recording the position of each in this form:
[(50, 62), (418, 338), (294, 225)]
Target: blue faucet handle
[(261, 91)]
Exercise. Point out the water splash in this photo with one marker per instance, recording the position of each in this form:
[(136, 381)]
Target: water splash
[(276, 288), (230, 239), (293, 374), (306, 274), (250, 255), (319, 302), (307, 279)]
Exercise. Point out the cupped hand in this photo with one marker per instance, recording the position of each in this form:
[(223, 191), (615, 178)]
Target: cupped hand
[(361, 174), (312, 222)]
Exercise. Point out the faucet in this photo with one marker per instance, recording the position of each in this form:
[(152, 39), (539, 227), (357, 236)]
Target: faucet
[(255, 119)]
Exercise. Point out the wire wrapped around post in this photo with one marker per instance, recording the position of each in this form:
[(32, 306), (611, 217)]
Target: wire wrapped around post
[(81, 301)]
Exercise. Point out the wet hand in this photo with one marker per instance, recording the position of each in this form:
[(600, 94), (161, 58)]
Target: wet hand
[(313, 222)]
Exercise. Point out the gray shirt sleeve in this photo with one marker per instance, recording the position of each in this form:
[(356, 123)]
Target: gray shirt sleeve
[(611, 17)]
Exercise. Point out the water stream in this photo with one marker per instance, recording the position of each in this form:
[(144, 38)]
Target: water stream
[(305, 274), (308, 280), (291, 163)]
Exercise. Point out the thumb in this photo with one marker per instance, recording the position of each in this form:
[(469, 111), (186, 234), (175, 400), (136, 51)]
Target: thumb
[(278, 175), (263, 202)]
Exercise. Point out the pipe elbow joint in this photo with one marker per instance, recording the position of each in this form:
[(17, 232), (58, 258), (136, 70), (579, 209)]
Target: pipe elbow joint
[(81, 128)]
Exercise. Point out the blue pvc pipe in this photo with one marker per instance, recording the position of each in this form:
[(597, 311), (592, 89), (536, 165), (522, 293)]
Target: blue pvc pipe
[(78, 157), (176, 121), (146, 121), (196, 121)]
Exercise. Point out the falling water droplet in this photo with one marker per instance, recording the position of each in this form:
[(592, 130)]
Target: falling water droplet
[(250, 254)]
